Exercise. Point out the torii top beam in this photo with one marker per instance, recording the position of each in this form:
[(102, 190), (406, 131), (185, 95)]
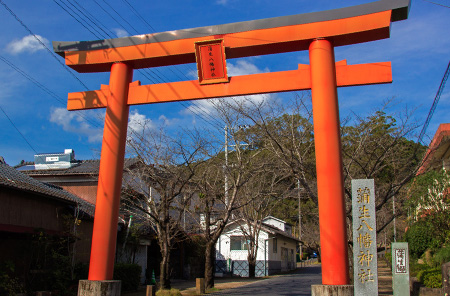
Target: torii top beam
[(356, 24)]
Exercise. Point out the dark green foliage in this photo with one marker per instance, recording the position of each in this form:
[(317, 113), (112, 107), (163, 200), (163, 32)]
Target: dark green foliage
[(433, 279), (9, 284), (419, 238), (442, 256), (50, 268), (129, 274), (388, 258), (430, 277)]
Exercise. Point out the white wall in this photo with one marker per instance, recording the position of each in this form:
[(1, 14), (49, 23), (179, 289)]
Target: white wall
[(223, 246)]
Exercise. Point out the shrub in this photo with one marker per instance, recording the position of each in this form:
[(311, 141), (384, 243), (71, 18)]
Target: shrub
[(433, 279), (419, 238), (442, 256), (430, 278), (388, 258), (129, 274), (171, 292), (9, 284)]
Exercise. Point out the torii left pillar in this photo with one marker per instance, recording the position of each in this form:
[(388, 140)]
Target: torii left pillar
[(103, 248), (330, 182)]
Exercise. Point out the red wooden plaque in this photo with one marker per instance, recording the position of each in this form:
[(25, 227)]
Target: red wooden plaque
[(211, 63)]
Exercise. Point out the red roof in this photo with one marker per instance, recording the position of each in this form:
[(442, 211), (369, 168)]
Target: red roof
[(438, 150)]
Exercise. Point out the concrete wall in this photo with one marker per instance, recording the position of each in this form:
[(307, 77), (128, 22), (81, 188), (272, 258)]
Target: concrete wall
[(280, 256), (223, 251)]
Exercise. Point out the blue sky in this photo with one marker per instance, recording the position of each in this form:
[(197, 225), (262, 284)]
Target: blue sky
[(418, 49)]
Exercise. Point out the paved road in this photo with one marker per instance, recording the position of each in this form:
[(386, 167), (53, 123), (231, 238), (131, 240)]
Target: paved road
[(297, 284)]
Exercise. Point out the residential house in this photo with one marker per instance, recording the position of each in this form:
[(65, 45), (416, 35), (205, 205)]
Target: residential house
[(436, 158), (276, 248), (80, 177), (438, 153), (34, 214)]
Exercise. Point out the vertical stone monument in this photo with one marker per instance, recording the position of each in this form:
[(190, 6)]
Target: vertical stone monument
[(364, 237), (446, 279), (400, 269)]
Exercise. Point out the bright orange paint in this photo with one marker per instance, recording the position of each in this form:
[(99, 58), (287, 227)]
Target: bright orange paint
[(330, 184), (110, 175), (250, 43), (211, 62), (347, 75)]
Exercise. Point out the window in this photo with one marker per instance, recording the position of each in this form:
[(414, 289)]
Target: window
[(238, 243), (275, 245)]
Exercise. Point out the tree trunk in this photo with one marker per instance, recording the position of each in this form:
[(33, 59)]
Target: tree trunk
[(164, 278), (251, 265), (210, 262)]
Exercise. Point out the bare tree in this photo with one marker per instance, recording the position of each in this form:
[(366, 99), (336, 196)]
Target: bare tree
[(219, 199), (158, 188), (259, 196), (375, 146)]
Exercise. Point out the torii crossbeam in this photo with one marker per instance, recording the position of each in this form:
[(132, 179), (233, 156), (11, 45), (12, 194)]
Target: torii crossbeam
[(317, 32)]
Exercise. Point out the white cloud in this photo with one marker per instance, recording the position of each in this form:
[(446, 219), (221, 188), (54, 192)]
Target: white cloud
[(222, 2), (120, 32), (137, 123), (73, 122), (242, 67), (27, 44)]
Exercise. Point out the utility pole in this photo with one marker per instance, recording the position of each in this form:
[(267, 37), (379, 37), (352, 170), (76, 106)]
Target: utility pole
[(226, 166), (300, 217), (393, 212), (241, 127)]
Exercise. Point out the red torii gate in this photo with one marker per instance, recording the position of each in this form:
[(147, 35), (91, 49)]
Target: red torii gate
[(317, 32)]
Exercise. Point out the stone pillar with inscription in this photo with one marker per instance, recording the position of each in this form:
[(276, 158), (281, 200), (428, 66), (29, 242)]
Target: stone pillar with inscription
[(400, 269), (446, 278), (364, 237)]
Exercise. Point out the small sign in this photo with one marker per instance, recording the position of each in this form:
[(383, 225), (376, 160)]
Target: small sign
[(400, 260), (364, 237), (211, 62), (52, 158)]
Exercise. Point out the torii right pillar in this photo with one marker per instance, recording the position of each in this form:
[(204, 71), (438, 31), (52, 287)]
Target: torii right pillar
[(330, 182)]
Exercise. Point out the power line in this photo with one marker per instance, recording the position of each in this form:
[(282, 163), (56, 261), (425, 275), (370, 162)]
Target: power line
[(200, 111), (44, 88), (91, 18), (437, 3), (42, 43), (435, 102), (17, 129), (151, 76), (81, 23)]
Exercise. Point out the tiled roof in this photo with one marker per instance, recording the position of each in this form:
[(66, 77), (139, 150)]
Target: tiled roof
[(82, 167), (266, 227), (438, 150), (10, 177)]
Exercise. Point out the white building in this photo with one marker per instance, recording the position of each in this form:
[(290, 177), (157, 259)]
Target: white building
[(276, 249)]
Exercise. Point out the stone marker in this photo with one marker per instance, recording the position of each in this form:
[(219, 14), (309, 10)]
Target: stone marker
[(200, 285), (446, 279), (400, 269), (328, 290), (151, 290), (365, 271), (99, 288)]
